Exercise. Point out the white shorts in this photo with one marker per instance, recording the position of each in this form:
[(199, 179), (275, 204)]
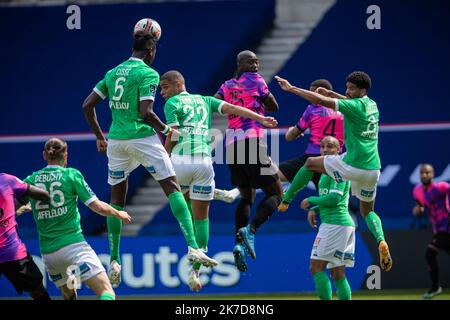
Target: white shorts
[(363, 182), (335, 244), (126, 155), (196, 175), (79, 257)]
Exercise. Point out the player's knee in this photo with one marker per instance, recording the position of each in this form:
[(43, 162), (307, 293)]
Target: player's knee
[(337, 274), (314, 268)]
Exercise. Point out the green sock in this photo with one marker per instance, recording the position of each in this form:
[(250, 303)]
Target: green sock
[(300, 181), (106, 296), (189, 205), (181, 212), (323, 285), (344, 292), (201, 236), (373, 222), (114, 231)]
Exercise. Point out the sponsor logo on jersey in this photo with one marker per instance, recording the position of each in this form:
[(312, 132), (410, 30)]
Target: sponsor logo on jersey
[(202, 189), (151, 169), (116, 174), (338, 254), (366, 193)]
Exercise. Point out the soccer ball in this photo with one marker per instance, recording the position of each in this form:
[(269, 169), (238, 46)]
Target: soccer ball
[(150, 26)]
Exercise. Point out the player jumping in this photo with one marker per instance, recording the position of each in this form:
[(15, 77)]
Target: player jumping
[(247, 155), (191, 155), (361, 163), (321, 122), (132, 141)]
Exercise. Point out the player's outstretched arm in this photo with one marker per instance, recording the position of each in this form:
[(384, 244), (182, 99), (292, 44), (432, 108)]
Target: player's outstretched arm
[(312, 97), (246, 113), (89, 105), (106, 210), (329, 93)]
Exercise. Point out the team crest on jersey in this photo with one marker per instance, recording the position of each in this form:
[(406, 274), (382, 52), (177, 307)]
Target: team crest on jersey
[(153, 90)]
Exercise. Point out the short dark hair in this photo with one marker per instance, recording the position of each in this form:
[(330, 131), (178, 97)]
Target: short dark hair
[(143, 41), (172, 76), (322, 83), (360, 79)]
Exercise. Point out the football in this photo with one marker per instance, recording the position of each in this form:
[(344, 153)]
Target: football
[(150, 26)]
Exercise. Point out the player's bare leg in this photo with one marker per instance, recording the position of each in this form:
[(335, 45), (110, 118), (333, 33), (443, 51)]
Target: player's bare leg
[(101, 286), (118, 200), (374, 224)]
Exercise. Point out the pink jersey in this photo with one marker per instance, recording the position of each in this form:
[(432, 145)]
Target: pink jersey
[(11, 247), (321, 122), (248, 91), (436, 200)]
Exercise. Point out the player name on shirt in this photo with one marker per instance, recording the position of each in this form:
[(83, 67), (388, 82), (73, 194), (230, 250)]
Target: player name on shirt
[(53, 213), (48, 177), (119, 105)]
